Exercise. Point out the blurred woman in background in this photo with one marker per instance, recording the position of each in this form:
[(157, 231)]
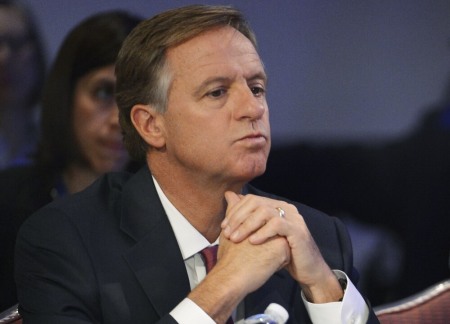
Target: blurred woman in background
[(80, 135)]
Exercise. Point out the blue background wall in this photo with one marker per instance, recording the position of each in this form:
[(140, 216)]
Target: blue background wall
[(339, 70)]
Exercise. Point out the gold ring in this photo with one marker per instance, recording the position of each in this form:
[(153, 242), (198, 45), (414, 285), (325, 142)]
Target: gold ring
[(281, 211)]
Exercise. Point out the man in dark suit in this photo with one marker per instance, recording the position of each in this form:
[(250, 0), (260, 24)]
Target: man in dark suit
[(191, 95)]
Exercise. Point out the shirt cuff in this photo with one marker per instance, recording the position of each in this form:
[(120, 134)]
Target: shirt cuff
[(352, 309), (188, 312)]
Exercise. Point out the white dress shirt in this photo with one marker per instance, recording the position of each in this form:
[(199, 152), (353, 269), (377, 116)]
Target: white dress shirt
[(352, 309)]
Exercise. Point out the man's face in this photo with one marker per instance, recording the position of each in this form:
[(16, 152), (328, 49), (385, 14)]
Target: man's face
[(217, 119)]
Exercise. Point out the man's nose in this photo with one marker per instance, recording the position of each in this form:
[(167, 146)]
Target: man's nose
[(249, 105)]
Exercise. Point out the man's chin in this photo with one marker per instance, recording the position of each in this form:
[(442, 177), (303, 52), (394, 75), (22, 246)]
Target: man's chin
[(253, 173)]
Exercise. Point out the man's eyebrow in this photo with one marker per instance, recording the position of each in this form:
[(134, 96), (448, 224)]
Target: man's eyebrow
[(258, 76), (198, 90), (226, 80)]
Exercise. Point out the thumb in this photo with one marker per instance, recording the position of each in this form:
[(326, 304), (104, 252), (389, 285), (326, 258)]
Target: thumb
[(231, 198)]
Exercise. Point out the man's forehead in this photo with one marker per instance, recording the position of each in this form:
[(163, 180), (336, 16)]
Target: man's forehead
[(212, 47)]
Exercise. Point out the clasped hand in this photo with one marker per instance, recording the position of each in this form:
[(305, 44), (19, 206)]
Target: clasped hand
[(255, 220)]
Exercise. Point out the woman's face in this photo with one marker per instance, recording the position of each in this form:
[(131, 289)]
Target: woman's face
[(96, 122)]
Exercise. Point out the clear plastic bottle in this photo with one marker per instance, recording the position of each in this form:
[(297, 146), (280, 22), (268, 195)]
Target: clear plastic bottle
[(274, 314)]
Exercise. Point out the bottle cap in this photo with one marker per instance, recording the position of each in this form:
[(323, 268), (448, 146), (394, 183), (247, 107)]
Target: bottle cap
[(278, 312)]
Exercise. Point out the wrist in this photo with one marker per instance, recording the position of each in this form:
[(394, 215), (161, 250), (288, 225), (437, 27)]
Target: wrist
[(331, 289), (343, 283), (218, 294)]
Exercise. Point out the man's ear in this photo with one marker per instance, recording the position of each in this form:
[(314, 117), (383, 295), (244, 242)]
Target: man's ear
[(148, 123)]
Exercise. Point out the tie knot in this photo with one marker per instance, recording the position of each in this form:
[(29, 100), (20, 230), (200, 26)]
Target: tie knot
[(210, 256)]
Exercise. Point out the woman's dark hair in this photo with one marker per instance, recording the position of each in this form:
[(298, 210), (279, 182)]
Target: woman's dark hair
[(34, 36), (92, 44)]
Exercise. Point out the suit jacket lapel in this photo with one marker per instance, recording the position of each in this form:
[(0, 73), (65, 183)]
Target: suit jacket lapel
[(155, 259)]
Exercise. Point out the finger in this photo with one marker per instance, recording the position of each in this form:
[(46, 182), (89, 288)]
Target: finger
[(239, 213), (284, 221), (232, 200), (255, 220), (276, 226), (236, 208)]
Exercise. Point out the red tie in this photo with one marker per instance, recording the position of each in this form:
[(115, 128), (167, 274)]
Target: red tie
[(210, 256)]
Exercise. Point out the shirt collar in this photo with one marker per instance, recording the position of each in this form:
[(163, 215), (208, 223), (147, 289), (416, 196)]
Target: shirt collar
[(189, 239)]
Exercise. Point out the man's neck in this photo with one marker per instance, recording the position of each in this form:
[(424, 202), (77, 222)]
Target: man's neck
[(201, 202)]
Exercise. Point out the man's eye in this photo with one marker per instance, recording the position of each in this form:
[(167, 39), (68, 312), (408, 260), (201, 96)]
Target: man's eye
[(258, 91), (217, 93)]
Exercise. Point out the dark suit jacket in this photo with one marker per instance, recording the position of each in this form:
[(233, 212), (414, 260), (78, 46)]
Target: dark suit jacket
[(109, 255), (23, 190)]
